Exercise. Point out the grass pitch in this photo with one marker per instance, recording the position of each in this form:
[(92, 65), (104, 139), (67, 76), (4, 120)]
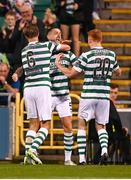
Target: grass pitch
[(61, 171)]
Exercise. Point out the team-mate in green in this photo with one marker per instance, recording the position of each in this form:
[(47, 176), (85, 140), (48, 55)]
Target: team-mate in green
[(61, 101), (98, 65), (37, 93)]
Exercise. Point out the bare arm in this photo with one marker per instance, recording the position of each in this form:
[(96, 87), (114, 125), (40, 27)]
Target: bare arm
[(8, 86), (11, 89), (117, 72), (68, 72), (64, 47), (19, 71)]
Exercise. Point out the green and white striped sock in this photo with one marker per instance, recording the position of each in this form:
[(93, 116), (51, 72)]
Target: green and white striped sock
[(68, 142), (103, 139), (40, 138), (81, 141), (30, 136)]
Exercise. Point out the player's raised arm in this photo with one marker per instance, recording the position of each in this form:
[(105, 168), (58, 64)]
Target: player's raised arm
[(64, 47), (67, 71), (18, 73)]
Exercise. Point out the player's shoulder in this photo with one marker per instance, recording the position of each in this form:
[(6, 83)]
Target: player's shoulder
[(86, 54), (36, 45), (42, 43), (24, 49), (49, 43), (69, 53)]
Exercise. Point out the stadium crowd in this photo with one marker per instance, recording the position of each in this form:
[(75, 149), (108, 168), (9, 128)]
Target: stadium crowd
[(72, 17), (69, 18)]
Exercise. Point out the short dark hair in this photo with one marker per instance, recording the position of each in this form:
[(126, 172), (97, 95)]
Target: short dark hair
[(31, 31), (114, 86)]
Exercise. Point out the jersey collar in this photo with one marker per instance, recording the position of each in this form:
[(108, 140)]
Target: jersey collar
[(97, 47), (33, 42)]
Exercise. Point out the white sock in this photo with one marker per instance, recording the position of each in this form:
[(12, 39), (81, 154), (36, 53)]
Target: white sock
[(30, 136)]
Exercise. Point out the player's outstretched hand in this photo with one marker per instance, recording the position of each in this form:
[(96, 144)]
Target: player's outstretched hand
[(58, 59), (15, 77), (68, 42)]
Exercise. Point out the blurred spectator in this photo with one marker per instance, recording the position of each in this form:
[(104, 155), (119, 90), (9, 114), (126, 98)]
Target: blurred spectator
[(15, 7), (8, 28), (114, 127), (4, 43), (6, 83), (70, 14), (4, 59), (95, 11), (4, 7), (87, 24), (49, 20), (31, 2), (125, 149), (17, 4), (18, 41), (6, 33)]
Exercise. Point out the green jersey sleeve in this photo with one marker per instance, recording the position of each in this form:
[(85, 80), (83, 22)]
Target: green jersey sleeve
[(73, 58), (116, 66), (52, 46), (81, 63)]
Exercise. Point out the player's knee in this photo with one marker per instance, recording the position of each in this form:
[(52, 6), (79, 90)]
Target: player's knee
[(34, 125), (45, 124), (100, 126), (81, 124), (67, 127)]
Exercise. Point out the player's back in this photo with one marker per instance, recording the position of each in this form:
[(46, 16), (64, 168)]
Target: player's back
[(36, 62), (99, 67)]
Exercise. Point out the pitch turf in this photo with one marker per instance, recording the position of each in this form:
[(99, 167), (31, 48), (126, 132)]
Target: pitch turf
[(61, 171)]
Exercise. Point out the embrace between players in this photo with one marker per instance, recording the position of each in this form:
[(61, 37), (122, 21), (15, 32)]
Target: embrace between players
[(47, 67)]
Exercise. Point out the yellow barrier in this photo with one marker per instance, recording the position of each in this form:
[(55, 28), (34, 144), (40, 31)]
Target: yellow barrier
[(17, 132), (20, 129)]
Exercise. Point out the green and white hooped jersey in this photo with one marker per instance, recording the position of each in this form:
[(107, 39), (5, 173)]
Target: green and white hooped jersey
[(36, 63), (98, 65), (59, 81)]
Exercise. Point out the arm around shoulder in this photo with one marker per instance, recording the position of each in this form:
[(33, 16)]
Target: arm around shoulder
[(64, 47), (67, 71)]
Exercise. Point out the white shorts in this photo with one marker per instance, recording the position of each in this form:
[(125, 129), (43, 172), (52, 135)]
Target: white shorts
[(97, 109), (38, 102), (62, 105)]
